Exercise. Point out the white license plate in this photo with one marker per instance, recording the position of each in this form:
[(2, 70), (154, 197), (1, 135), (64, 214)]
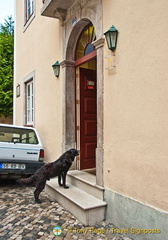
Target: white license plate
[(13, 166)]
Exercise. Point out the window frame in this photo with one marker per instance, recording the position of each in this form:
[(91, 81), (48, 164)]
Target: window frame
[(28, 15), (29, 102), (87, 36), (29, 105)]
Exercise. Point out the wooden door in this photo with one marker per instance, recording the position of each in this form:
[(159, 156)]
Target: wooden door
[(88, 118)]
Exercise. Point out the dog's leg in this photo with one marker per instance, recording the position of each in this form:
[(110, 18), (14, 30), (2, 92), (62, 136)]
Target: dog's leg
[(59, 180), (39, 189), (64, 179)]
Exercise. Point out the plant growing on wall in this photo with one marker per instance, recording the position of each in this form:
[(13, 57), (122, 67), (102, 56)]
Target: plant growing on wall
[(6, 67)]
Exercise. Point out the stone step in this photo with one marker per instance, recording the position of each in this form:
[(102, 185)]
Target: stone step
[(86, 182), (86, 208)]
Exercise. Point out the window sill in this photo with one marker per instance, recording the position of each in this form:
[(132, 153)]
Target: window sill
[(28, 125)]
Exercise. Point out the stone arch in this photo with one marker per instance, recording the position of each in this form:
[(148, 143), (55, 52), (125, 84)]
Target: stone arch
[(73, 38), (68, 82)]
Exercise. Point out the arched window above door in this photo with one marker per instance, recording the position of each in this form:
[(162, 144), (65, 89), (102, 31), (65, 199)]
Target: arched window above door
[(85, 45)]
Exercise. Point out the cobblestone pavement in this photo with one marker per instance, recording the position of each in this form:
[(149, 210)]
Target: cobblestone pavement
[(21, 218)]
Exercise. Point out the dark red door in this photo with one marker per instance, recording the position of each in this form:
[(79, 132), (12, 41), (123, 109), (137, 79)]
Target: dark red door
[(88, 118)]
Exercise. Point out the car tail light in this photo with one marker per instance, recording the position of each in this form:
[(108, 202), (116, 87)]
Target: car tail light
[(41, 157)]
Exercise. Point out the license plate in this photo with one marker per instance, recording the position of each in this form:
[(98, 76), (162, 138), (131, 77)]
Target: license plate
[(19, 166)]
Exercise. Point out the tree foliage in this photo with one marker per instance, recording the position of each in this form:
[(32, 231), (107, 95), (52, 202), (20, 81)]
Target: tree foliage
[(6, 67)]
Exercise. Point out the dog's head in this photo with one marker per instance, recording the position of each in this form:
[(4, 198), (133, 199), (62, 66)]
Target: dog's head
[(73, 153)]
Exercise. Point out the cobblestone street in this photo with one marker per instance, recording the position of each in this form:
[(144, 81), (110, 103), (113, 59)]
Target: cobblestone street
[(21, 218)]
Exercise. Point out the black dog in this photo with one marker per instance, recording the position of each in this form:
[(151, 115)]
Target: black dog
[(58, 168)]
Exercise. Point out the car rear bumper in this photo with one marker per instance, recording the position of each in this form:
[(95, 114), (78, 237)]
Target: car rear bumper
[(30, 168)]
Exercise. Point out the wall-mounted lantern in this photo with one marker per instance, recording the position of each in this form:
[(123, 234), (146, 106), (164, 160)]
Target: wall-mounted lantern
[(56, 69), (111, 38)]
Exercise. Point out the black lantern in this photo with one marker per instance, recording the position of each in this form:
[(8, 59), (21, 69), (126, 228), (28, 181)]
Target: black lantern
[(56, 69), (111, 38)]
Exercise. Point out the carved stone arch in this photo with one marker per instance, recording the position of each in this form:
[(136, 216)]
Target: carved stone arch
[(68, 83), (73, 38)]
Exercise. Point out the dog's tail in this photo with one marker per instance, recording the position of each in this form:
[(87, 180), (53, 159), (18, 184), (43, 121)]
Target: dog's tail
[(27, 181)]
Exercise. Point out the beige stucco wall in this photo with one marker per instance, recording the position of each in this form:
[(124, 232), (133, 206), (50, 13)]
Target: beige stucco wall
[(136, 101), (135, 93), (37, 51)]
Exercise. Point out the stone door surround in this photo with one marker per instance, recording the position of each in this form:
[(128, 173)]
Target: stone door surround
[(92, 12)]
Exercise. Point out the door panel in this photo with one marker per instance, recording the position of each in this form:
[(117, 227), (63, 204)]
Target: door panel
[(90, 128), (88, 118), (90, 105)]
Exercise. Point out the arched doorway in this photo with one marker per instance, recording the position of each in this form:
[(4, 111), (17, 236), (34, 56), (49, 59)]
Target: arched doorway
[(86, 98), (70, 75)]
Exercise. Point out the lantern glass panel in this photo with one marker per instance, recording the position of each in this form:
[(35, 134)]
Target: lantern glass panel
[(108, 40), (56, 70), (113, 39)]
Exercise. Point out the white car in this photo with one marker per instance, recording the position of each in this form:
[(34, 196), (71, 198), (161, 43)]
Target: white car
[(21, 151)]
